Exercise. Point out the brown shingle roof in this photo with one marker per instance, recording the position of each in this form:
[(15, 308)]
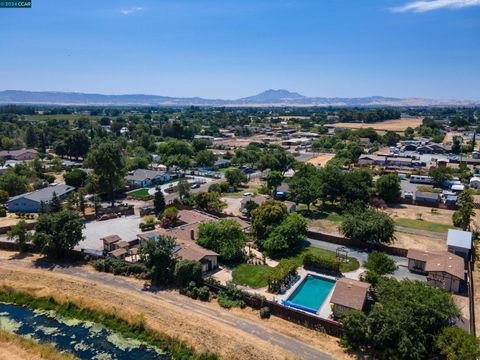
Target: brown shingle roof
[(191, 216), (442, 261), (111, 239), (189, 249), (118, 252), (449, 263), (350, 293), (123, 244)]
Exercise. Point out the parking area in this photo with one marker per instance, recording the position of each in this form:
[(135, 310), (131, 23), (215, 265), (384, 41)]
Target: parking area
[(126, 227)]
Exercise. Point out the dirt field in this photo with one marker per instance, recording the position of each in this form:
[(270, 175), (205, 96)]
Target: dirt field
[(11, 219), (388, 125), (321, 160), (172, 314), (406, 211)]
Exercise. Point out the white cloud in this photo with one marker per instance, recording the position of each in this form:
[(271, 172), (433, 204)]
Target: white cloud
[(131, 10), (429, 5)]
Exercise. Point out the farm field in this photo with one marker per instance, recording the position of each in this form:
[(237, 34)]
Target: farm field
[(388, 125)]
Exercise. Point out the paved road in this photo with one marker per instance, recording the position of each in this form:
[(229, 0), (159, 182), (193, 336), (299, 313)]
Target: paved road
[(361, 255), (285, 342)]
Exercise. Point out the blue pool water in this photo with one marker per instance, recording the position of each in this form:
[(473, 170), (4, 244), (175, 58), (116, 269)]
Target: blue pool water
[(311, 293)]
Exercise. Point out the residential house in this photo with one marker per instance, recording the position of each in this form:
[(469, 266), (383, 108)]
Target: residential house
[(32, 201), (348, 295), (9, 164), (431, 149), (443, 269), (141, 178), (186, 247), (19, 155), (222, 163), (459, 243)]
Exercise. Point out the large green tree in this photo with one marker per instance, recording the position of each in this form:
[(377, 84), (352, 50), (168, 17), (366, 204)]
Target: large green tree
[(288, 235), (456, 344), (56, 234), (205, 158), (405, 321), (266, 217), (305, 185), (19, 233), (463, 216), (107, 160), (157, 254), (388, 187), (226, 237), (274, 180), (235, 177), (209, 202), (368, 226)]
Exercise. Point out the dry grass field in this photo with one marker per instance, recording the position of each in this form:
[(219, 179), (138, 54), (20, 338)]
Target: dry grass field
[(389, 125), (15, 347), (169, 313), (321, 160)]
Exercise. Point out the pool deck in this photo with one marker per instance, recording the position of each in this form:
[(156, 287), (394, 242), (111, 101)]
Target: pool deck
[(325, 310)]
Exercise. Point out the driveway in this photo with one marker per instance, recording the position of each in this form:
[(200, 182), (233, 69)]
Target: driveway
[(126, 227), (361, 255)]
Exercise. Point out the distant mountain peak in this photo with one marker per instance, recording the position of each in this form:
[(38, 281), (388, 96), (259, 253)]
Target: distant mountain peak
[(273, 96)]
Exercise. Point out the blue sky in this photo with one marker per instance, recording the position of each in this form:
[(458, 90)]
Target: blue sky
[(236, 48)]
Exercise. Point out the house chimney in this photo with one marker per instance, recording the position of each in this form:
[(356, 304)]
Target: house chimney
[(192, 234)]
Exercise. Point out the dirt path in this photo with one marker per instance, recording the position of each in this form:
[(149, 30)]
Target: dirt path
[(237, 334)]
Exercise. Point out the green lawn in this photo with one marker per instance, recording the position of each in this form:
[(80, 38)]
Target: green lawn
[(256, 276), (140, 194), (423, 225)]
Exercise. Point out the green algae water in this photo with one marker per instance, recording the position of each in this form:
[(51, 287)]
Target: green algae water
[(85, 340)]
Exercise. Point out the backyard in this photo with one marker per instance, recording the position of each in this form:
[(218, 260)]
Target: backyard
[(140, 194), (256, 276)]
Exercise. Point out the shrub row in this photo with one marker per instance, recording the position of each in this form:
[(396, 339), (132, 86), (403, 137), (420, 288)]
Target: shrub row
[(321, 262), (118, 267)]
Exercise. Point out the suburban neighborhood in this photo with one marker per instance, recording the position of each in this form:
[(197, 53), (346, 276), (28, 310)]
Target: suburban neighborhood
[(240, 180)]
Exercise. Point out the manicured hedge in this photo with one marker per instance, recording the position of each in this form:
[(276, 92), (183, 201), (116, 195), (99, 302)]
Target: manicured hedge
[(321, 263)]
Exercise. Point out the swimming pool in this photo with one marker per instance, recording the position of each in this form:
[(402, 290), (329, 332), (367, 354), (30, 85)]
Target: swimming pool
[(311, 293)]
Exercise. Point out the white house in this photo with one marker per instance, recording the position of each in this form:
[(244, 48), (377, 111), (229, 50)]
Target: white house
[(146, 178)]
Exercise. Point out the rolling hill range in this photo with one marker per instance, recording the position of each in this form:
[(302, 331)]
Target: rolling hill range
[(266, 98)]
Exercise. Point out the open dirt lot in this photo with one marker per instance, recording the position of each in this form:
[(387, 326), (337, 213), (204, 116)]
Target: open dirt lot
[(406, 211), (388, 125), (321, 160), (12, 219), (235, 334)]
